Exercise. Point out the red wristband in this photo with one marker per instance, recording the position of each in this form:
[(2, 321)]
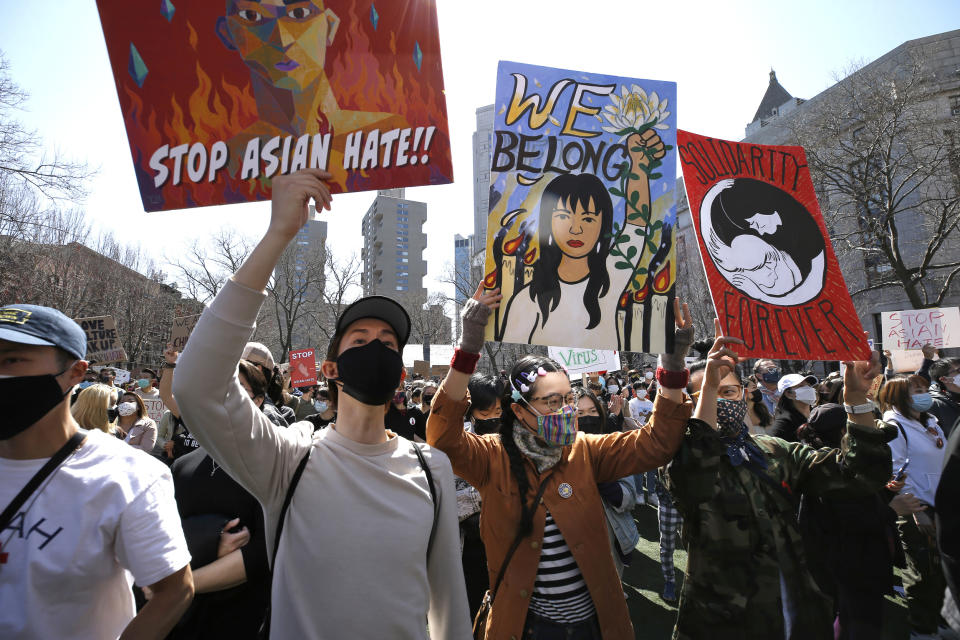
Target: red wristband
[(673, 379), (463, 361)]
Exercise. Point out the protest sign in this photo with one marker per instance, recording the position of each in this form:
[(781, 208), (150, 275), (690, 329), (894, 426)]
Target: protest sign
[(585, 360), (123, 377), (439, 370), (218, 98), (103, 343), (773, 276), (303, 368), (582, 210), (914, 328), (421, 367), (907, 361), (182, 328)]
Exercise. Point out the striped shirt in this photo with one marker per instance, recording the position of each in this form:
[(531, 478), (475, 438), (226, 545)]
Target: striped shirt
[(559, 594)]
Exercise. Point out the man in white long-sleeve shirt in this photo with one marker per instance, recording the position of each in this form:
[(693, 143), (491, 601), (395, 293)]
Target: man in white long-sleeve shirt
[(355, 556)]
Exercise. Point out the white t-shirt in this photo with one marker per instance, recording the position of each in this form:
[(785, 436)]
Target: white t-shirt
[(640, 409), (66, 560), (567, 324), (153, 403)]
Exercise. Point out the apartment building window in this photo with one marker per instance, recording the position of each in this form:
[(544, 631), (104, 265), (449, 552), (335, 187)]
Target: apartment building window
[(955, 105)]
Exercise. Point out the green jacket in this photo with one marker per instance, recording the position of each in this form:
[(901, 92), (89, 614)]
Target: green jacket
[(744, 547)]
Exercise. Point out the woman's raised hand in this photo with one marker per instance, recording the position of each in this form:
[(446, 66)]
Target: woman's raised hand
[(858, 376), (683, 338), (488, 297), (722, 359)]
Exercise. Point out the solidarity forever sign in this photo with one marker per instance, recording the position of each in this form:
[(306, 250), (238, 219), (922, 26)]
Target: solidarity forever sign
[(582, 210), (914, 328), (773, 276), (585, 360), (103, 342), (220, 97), (303, 368)]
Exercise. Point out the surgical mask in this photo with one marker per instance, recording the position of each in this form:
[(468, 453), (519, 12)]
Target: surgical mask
[(806, 395), (44, 394), (642, 394), (589, 424), (921, 402), (486, 425), (85, 384), (143, 383), (612, 388), (955, 380), (370, 373), (320, 406), (771, 376), (648, 375), (126, 408)]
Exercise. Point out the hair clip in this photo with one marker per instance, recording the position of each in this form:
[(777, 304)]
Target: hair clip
[(541, 371), (529, 376), (516, 395), (524, 388)]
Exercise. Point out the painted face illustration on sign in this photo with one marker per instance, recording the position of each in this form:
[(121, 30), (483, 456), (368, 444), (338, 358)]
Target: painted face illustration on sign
[(763, 241), (283, 42)]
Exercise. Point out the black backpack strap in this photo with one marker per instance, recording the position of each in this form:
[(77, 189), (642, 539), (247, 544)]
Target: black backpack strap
[(264, 632), (294, 481), (433, 495), (516, 541), (903, 432), (34, 483)]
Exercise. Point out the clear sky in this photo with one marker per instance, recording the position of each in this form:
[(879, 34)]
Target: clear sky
[(719, 53)]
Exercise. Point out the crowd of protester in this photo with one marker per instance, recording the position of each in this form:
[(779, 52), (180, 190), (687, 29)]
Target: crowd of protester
[(370, 505)]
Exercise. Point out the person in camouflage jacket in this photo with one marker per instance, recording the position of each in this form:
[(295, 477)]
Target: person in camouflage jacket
[(746, 574)]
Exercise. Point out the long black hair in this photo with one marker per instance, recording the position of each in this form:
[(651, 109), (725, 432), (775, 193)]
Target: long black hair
[(798, 236), (572, 189), (526, 365)]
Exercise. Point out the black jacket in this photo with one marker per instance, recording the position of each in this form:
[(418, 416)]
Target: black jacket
[(947, 505), (786, 421), (946, 407)]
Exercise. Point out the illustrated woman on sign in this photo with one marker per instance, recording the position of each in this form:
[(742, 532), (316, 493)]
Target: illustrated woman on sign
[(763, 242), (572, 298)]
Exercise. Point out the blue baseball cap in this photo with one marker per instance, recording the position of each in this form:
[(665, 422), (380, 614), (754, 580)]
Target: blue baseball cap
[(42, 326)]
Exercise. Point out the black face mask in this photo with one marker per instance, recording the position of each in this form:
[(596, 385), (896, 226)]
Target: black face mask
[(589, 424), (42, 394), (486, 425), (370, 373), (756, 396)]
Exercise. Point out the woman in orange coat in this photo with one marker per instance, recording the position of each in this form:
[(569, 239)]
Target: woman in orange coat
[(561, 578)]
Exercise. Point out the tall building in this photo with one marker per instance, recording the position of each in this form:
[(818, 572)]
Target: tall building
[(393, 245), (461, 274), (482, 141)]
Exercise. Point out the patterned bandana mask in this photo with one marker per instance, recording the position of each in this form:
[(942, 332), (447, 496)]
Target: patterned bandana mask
[(735, 435)]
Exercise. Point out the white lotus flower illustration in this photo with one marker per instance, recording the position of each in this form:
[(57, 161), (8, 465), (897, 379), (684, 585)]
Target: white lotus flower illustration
[(633, 109)]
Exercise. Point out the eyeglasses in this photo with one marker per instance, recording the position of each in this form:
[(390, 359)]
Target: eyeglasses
[(555, 401), (731, 392)]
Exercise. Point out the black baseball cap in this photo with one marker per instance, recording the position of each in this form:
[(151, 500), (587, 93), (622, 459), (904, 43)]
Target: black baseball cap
[(42, 326), (381, 308)]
